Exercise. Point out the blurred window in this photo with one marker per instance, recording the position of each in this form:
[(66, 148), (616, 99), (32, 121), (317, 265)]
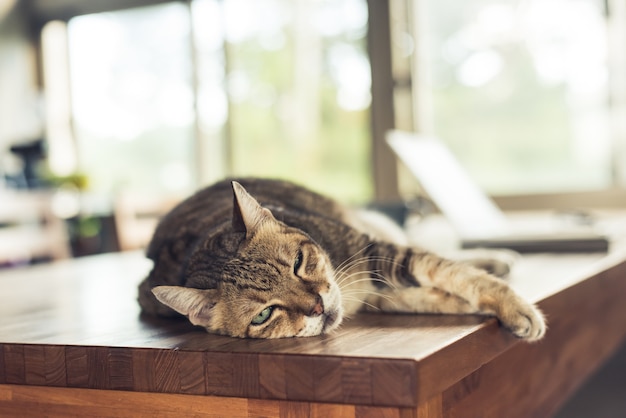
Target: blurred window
[(168, 97), (520, 91), (299, 87), (132, 98)]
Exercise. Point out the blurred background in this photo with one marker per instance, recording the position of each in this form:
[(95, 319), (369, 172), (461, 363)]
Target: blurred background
[(113, 111)]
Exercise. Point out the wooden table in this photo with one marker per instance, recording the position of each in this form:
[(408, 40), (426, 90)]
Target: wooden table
[(72, 343)]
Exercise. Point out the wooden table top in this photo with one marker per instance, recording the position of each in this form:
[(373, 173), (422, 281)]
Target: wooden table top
[(76, 323)]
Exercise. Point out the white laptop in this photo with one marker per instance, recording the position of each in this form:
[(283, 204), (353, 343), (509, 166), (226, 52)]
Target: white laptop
[(474, 216)]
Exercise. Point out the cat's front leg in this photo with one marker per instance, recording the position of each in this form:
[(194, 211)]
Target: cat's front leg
[(485, 293), (417, 300)]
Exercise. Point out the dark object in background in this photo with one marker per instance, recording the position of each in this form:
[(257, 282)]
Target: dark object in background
[(91, 235), (400, 211), (31, 154)]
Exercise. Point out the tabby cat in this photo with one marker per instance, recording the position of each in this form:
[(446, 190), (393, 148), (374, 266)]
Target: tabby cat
[(268, 259)]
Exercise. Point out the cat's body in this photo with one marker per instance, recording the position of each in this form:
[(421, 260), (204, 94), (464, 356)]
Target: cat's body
[(267, 259)]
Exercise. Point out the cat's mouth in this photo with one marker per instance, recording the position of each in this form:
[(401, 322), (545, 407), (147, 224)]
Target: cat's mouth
[(333, 314), (332, 319)]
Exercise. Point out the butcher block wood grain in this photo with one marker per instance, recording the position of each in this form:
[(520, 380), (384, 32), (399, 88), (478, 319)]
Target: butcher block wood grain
[(38, 401), (73, 342)]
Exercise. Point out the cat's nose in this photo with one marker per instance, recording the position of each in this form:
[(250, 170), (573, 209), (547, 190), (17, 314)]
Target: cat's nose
[(318, 309)]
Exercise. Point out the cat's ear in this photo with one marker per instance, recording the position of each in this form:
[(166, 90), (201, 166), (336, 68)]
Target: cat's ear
[(248, 214), (196, 304)]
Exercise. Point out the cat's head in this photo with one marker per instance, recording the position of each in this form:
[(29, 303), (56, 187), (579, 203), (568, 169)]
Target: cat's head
[(278, 283)]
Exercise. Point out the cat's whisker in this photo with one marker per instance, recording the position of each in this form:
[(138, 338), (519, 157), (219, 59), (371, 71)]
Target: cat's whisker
[(371, 306), (360, 300), (350, 295), (381, 295), (386, 259), (378, 277), (343, 267), (347, 276), (347, 279), (374, 277), (356, 299), (340, 274), (352, 264), (350, 298), (347, 260), (350, 272)]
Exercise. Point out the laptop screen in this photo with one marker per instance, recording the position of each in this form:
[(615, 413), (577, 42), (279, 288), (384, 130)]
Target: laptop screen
[(471, 212)]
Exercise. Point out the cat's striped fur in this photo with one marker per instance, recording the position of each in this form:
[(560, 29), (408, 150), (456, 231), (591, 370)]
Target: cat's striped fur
[(268, 259)]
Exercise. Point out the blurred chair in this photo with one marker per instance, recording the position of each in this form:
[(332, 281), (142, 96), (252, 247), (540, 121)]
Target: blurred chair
[(29, 230), (136, 218)]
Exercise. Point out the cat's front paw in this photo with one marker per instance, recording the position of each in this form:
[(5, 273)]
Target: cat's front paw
[(498, 262), (524, 320)]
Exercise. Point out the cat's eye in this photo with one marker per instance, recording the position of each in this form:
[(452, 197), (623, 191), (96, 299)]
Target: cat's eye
[(297, 263), (263, 316)]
